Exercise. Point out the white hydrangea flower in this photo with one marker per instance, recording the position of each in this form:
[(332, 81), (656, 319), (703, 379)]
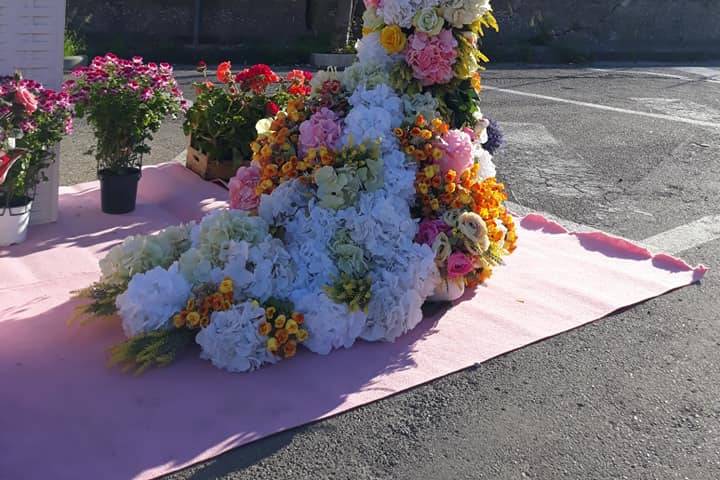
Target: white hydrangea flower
[(464, 12), (272, 268), (222, 226), (330, 325), (195, 267), (484, 159), (398, 294), (399, 175), (368, 75), (400, 12), (381, 96), (419, 104), (370, 124), (140, 253), (371, 52), (379, 223), (284, 202), (232, 340), (151, 299)]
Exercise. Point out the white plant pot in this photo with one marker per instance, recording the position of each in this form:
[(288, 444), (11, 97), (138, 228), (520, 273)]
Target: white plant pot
[(13, 224), (448, 290)]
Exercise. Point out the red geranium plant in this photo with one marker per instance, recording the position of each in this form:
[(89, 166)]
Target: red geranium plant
[(222, 120)]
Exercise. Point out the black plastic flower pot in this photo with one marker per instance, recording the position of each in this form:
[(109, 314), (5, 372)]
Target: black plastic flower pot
[(118, 190)]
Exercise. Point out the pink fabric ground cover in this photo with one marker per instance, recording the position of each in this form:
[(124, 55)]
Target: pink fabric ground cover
[(64, 415)]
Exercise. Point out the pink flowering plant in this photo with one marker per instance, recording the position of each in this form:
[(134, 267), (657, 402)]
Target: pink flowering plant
[(125, 101), (32, 120)]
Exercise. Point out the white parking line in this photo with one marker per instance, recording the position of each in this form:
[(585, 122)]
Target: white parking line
[(686, 236), (657, 74), (598, 106), (673, 241)]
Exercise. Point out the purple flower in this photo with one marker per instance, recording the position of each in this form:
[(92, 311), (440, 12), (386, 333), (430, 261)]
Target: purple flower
[(496, 139)]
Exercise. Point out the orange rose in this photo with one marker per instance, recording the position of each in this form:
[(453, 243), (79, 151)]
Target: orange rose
[(224, 73), (281, 336), (290, 349), (264, 329)]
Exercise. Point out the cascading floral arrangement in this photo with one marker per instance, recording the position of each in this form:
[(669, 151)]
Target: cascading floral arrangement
[(364, 200)]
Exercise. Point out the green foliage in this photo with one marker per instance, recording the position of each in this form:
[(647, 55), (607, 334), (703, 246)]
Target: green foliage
[(158, 348), (354, 292), (459, 102), (222, 124), (73, 44), (103, 297)]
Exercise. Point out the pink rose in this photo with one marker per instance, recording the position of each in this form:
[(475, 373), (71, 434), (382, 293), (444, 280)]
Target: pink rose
[(25, 98), (429, 230), (456, 146), (242, 188), (458, 265), (322, 129), (432, 58)]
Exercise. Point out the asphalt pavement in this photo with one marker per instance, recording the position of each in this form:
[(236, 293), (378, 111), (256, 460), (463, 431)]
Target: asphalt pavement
[(633, 150)]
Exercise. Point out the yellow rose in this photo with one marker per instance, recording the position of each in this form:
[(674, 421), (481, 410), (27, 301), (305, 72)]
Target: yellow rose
[(302, 335), (193, 319), (272, 345), (280, 321), (226, 286), (292, 327), (393, 39)]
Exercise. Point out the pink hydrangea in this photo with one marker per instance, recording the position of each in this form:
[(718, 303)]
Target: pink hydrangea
[(457, 149), (243, 195), (428, 230), (322, 129), (459, 265), (432, 58)]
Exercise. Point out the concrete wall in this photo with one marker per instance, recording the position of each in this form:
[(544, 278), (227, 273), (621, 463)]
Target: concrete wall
[(606, 28), (591, 28)]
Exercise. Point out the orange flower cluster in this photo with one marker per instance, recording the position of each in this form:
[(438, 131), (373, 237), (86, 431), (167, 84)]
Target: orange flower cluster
[(438, 193), (284, 331), (197, 312), (276, 154)]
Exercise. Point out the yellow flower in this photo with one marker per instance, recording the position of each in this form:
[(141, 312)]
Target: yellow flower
[(178, 321), (270, 312), (226, 286), (280, 321), (264, 329), (450, 187), (272, 344), (393, 39), (437, 154), (193, 319), (292, 327), (423, 188), (435, 204), (429, 171), (302, 335)]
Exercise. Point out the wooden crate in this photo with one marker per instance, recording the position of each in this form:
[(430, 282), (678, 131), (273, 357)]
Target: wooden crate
[(208, 168)]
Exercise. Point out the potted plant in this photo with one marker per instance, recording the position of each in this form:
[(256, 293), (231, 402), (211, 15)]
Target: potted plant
[(348, 22), (221, 122), (74, 49), (125, 101), (33, 120)]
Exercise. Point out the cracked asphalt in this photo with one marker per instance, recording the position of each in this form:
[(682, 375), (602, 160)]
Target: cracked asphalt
[(632, 396)]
